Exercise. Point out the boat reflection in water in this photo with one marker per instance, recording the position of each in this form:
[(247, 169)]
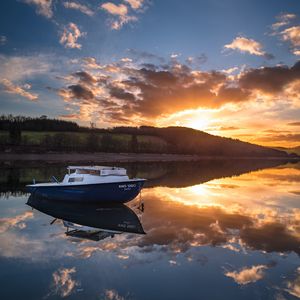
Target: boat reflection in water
[(90, 221)]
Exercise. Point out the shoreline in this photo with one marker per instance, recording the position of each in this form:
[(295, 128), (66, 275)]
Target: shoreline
[(121, 157)]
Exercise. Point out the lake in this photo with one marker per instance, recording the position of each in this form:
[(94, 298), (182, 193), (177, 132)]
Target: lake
[(213, 229)]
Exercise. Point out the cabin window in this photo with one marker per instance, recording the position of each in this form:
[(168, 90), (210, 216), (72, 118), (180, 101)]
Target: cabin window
[(75, 179), (90, 172)]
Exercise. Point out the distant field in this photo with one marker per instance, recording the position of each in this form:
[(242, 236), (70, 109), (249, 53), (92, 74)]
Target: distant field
[(37, 138)]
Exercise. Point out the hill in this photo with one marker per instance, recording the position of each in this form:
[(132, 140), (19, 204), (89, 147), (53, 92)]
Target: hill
[(22, 134), (295, 150)]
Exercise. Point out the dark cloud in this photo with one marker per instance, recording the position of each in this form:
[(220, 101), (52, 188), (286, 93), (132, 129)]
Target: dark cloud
[(153, 90), (294, 124), (151, 67), (85, 77), (269, 56), (144, 55), (295, 192), (232, 94), (81, 92), (270, 79), (168, 91), (121, 94), (176, 231), (282, 137), (262, 238), (229, 128), (197, 60)]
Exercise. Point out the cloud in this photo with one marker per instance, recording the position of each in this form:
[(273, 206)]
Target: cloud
[(283, 20), (3, 40), (261, 238), (43, 7), (292, 35), (122, 20), (120, 12), (135, 4), (293, 286), (6, 223), (196, 60), (291, 137), (63, 283), (111, 8), (289, 34), (19, 68), (151, 91), (11, 88), (84, 89), (230, 70), (80, 92), (294, 124), (77, 6), (144, 55), (247, 275), (270, 79), (85, 77), (91, 63), (126, 60), (111, 294), (70, 36), (246, 45), (229, 128), (296, 52)]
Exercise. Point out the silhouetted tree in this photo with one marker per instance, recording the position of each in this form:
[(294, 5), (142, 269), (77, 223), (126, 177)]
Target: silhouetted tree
[(15, 132), (134, 146), (109, 144), (92, 142)]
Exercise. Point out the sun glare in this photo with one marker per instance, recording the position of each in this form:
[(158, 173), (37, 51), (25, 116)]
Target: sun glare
[(200, 119)]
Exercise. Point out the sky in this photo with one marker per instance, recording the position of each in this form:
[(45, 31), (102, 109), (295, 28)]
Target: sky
[(229, 67)]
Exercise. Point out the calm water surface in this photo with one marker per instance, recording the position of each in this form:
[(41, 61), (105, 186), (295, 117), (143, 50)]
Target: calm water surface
[(214, 230)]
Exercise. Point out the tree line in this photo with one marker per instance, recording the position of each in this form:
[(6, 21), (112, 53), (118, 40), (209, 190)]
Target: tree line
[(178, 140), (10, 122)]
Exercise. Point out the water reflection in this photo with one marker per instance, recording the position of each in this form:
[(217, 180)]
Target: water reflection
[(87, 220), (14, 178), (230, 232)]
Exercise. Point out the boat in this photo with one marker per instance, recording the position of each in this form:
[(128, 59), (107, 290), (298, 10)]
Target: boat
[(92, 221), (90, 184)]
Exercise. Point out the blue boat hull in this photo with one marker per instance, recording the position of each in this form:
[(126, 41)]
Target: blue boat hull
[(116, 192)]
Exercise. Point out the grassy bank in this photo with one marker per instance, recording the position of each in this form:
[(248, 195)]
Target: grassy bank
[(85, 141)]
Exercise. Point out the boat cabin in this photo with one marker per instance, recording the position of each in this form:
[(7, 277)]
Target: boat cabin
[(98, 170), (94, 174)]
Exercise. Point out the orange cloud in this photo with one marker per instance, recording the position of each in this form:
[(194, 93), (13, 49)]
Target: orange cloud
[(43, 7), (246, 45), (283, 19), (293, 286), (6, 223), (120, 13), (77, 6), (11, 88), (292, 35), (171, 93), (70, 36), (120, 10), (64, 285), (113, 295), (135, 4), (247, 275)]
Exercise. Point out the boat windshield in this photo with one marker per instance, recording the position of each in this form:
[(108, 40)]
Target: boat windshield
[(90, 172)]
